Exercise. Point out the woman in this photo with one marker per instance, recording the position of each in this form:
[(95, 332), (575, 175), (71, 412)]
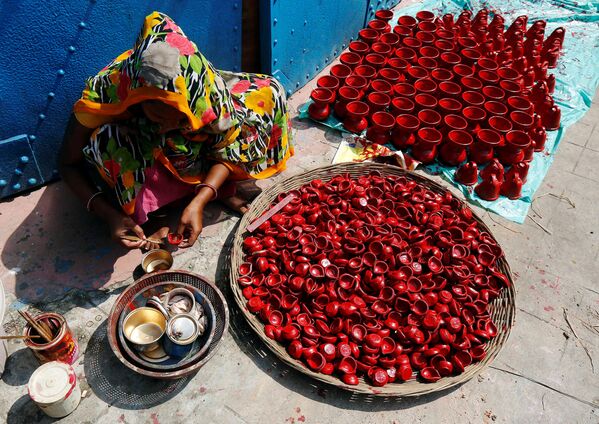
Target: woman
[(160, 123)]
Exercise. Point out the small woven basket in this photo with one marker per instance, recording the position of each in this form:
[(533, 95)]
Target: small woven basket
[(502, 309)]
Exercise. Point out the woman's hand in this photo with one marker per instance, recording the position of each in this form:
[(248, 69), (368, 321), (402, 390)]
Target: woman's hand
[(122, 225), (190, 224)]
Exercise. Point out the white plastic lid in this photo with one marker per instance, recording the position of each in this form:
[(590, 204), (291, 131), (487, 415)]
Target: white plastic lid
[(51, 382)]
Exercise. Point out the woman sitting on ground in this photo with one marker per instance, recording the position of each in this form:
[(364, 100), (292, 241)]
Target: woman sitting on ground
[(159, 124)]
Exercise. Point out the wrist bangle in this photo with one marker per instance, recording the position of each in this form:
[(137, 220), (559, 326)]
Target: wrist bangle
[(211, 187), (88, 206)]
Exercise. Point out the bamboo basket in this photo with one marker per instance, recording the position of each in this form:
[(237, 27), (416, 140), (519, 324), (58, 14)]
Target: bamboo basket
[(502, 309)]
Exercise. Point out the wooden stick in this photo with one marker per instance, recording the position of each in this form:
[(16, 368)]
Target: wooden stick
[(19, 337), (37, 328), (44, 325), (135, 238)]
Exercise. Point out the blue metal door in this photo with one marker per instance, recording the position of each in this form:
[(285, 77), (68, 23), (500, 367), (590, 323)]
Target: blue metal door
[(301, 38), (49, 48)]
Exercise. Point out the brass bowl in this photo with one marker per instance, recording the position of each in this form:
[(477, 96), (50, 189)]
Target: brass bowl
[(157, 260), (144, 339)]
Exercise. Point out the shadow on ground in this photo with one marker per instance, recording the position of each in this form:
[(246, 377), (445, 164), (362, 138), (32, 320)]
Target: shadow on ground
[(293, 380)]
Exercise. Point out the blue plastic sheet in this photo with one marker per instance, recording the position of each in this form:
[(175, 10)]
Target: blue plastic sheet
[(577, 77)]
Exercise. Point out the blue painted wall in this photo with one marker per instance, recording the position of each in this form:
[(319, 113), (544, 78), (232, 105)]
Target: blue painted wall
[(301, 38), (48, 48)]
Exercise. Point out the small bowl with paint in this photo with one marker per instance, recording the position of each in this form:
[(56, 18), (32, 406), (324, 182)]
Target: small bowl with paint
[(156, 260), (144, 327)]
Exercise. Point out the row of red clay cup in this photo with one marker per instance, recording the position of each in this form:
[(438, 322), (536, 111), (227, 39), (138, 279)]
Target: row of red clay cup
[(495, 179)]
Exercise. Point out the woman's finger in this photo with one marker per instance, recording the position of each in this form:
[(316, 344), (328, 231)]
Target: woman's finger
[(138, 232), (130, 244)]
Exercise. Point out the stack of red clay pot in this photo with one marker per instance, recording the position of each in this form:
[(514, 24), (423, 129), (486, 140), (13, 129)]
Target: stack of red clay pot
[(463, 91)]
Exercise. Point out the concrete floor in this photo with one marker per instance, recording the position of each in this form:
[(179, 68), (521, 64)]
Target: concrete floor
[(57, 257)]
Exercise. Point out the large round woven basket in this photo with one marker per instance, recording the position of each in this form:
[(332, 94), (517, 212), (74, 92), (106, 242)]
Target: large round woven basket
[(502, 309)]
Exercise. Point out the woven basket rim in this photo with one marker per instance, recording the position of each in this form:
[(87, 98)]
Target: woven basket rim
[(504, 305)]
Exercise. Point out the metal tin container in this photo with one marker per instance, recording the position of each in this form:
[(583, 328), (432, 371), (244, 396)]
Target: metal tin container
[(154, 302), (144, 327), (62, 348), (157, 260), (181, 332), (55, 389), (179, 291)]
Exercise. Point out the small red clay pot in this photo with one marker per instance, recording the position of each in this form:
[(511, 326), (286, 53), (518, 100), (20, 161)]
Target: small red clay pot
[(391, 39), (450, 89), (426, 38), (441, 74), (482, 151), (402, 31), (379, 26), (488, 77), (377, 101), (453, 122), (427, 140), (447, 105), (406, 53), (521, 168), (350, 59), (444, 45), (539, 138), (320, 110), (467, 174), (381, 86), (392, 76), (516, 142), (520, 103), (447, 21), (368, 35), (365, 71), (329, 82), (426, 86), (509, 74), (341, 72), (407, 21), (475, 117), (425, 16), (521, 120), (381, 48), (471, 84), (493, 93), (426, 26), (460, 71), (454, 151), (401, 106), (551, 118), (489, 188), (486, 63), (412, 43), (357, 82), (495, 108), (359, 47), (380, 130), (528, 76), (550, 83), (428, 51), (375, 60), (510, 88), (425, 101), (399, 64), (445, 35), (403, 133), (384, 15), (345, 95), (467, 43), (427, 63), (415, 73), (449, 59), (429, 118), (494, 167), (404, 90), (355, 118), (473, 98), (469, 56), (501, 125), (512, 186)]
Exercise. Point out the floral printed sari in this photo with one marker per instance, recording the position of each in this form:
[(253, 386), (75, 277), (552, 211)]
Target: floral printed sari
[(237, 119)]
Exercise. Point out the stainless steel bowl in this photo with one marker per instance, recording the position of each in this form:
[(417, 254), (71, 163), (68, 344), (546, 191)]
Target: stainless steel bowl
[(156, 260), (144, 327)]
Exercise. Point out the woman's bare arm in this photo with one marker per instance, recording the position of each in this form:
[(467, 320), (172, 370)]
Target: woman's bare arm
[(71, 164)]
